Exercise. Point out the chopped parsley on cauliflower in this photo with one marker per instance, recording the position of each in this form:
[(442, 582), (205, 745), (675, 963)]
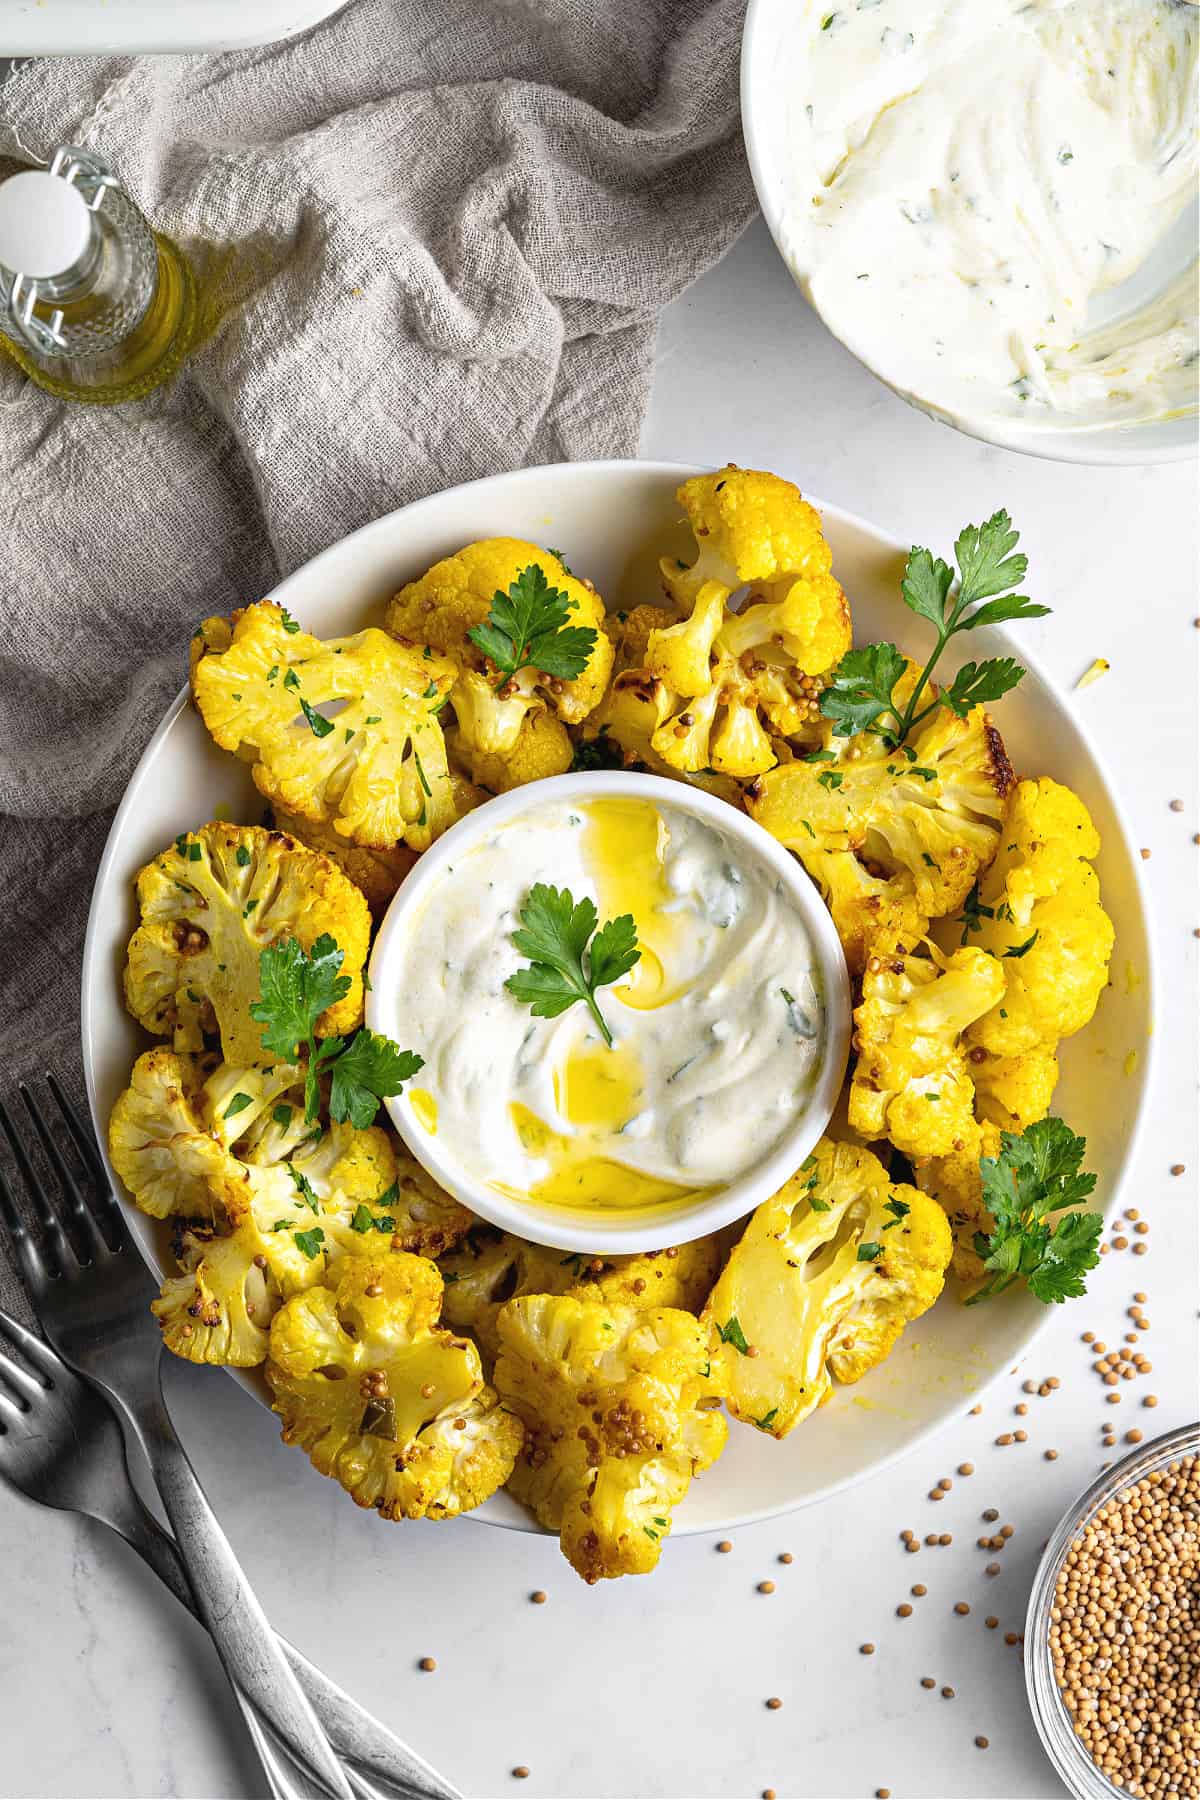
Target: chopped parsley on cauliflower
[(343, 732), (209, 907), (824, 1279), (383, 1400)]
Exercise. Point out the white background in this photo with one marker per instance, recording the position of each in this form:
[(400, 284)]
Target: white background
[(658, 1687)]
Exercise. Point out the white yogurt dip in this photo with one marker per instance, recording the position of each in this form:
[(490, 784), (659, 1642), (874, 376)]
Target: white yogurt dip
[(988, 201), (718, 1032)]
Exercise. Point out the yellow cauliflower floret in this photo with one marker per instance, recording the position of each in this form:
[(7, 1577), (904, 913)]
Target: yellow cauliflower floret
[(158, 1141), (1040, 910), (750, 527), (920, 827), (630, 633), (385, 1402), (800, 627), (629, 717), (490, 1268), (542, 748), (954, 1182), (456, 594), (825, 1277), (912, 1082), (375, 768), (210, 905), (618, 1406), (375, 873), (1014, 1091)]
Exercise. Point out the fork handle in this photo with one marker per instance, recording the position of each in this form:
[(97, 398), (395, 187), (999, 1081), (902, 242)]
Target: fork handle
[(353, 1731), (225, 1603)]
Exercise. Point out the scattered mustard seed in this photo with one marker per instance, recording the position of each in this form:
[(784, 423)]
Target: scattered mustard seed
[(774, 1703), (904, 1610), (966, 1468), (1150, 1400), (724, 1546), (947, 1693), (981, 1743), (927, 1681), (427, 1663), (919, 1589), (766, 1587), (866, 1649), (538, 1597), (521, 1772), (961, 1608), (785, 1556), (1050, 1455)]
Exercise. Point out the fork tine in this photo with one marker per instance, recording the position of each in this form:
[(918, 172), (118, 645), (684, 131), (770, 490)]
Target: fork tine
[(10, 1413), (47, 1215), (67, 1179), (20, 1381), (30, 1260), (104, 1202), (33, 1348)]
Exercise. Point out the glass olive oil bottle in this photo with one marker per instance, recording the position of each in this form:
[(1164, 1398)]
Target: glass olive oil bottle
[(94, 305)]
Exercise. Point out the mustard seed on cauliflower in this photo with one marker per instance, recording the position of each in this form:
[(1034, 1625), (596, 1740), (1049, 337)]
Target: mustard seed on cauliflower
[(210, 905), (955, 1183), (456, 595), (732, 683), (892, 839), (629, 717), (385, 1402), (912, 1082), (618, 1407), (1039, 910), (824, 1279), (375, 769), (489, 1268)]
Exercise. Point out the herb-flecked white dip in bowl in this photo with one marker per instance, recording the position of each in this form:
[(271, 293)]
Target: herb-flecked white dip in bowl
[(729, 1032)]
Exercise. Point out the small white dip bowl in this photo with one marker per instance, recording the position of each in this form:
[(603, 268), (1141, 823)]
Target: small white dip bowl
[(599, 1230)]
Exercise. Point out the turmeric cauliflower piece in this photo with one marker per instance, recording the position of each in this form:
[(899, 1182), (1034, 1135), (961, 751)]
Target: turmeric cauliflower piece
[(210, 905), (824, 1279), (955, 1183), (159, 1141), (629, 716), (456, 594), (490, 1268), (1039, 910), (385, 1402), (630, 633), (912, 1082), (376, 874), (920, 827), (736, 680), (376, 769), (1014, 1091), (542, 748), (617, 1406)]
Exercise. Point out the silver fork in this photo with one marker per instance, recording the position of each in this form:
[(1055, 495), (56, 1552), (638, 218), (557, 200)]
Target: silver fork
[(61, 1446), (92, 1305)]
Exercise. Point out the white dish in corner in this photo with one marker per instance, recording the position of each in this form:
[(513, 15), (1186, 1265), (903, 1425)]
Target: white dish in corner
[(84, 27), (613, 520)]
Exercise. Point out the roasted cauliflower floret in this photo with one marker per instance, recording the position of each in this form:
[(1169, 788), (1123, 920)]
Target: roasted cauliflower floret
[(619, 1407), (629, 717), (824, 1279), (490, 1268), (408, 1209), (210, 905), (954, 1182), (385, 1402), (750, 527), (630, 633), (1039, 909), (920, 826), (375, 767), (456, 595), (158, 1139), (542, 748), (733, 681), (1014, 1091), (912, 1082), (375, 873)]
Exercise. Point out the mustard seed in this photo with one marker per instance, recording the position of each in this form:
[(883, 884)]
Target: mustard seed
[(904, 1610), (768, 1794), (1007, 1531), (912, 1546), (1021, 1437), (1005, 1438), (1089, 1337), (961, 1608), (1050, 1455), (1010, 1637), (883, 1794), (920, 1590), (724, 1546), (1150, 1400), (428, 1664), (1120, 1243), (1141, 1228), (945, 1538), (1176, 805), (966, 1468), (1140, 1298), (1113, 1399), (981, 1743), (1021, 1410), (1140, 1248), (866, 1649), (927, 1681), (521, 1772), (786, 1556), (1178, 1168), (991, 1515), (991, 1622), (1029, 1387), (766, 1587), (931, 1537), (947, 1693), (992, 1569), (774, 1703), (1134, 1436)]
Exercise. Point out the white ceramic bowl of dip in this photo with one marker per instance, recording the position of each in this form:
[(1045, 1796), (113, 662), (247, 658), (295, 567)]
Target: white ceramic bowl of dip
[(777, 85), (607, 1229)]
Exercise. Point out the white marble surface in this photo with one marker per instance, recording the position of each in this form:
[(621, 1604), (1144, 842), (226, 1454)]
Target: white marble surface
[(658, 1687)]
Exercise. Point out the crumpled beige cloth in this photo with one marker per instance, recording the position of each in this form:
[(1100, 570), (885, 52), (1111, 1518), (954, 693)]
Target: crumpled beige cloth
[(432, 237)]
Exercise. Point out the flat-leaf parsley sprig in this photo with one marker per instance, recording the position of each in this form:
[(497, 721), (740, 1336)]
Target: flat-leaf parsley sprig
[(862, 693), (1036, 1174), (295, 988), (527, 629), (554, 933)]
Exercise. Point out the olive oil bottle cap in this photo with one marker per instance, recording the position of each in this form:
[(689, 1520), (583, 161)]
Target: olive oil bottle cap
[(45, 224)]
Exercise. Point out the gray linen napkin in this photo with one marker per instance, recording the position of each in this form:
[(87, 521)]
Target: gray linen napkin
[(432, 238)]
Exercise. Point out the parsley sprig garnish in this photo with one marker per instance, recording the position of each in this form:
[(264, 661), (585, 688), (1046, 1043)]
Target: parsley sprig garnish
[(1036, 1174), (862, 694), (527, 629), (295, 988), (554, 935)]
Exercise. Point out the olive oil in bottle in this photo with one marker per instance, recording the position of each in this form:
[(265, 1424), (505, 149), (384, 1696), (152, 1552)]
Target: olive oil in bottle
[(94, 305)]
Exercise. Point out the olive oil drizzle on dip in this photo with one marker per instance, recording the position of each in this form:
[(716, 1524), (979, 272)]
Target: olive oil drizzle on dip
[(718, 1031)]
